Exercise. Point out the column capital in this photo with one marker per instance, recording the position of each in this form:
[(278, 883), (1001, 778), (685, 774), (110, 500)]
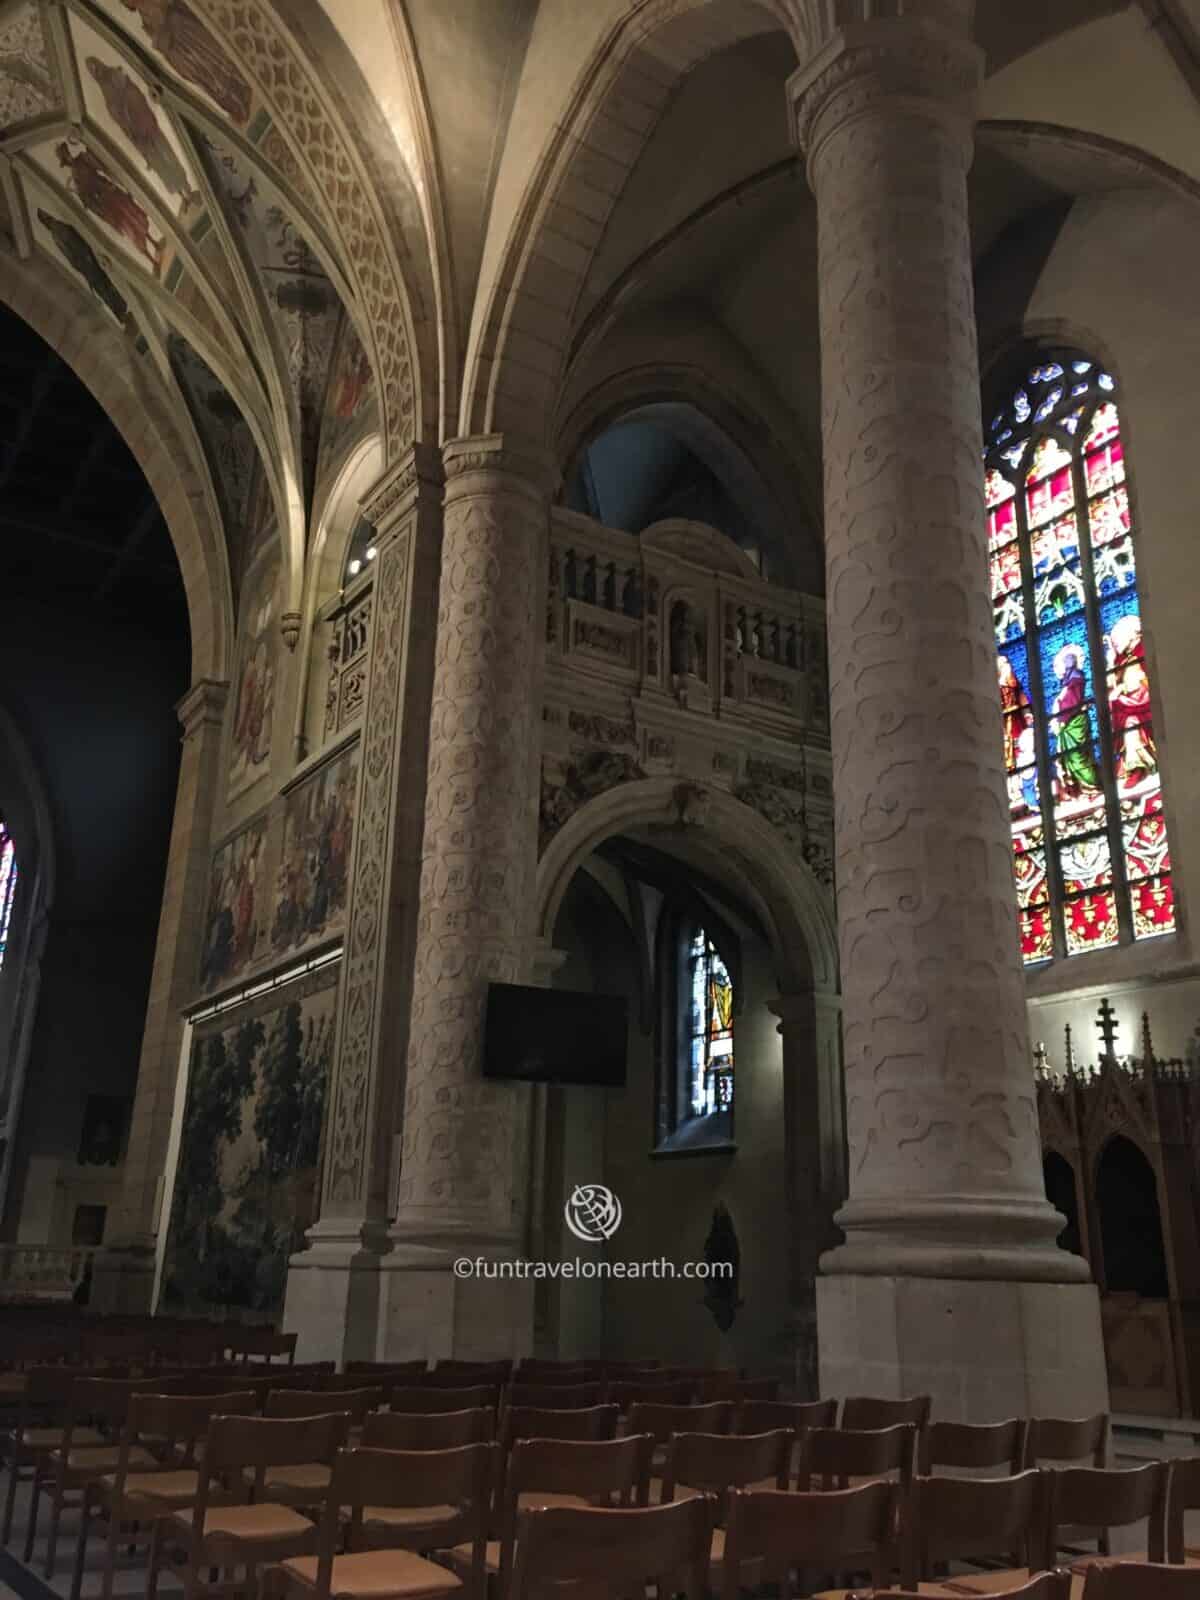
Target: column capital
[(202, 706), (906, 64), (394, 493), (524, 465)]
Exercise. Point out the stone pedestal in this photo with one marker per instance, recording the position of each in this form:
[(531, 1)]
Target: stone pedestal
[(945, 1178), (464, 1177), (123, 1272), (985, 1349), (333, 1289)]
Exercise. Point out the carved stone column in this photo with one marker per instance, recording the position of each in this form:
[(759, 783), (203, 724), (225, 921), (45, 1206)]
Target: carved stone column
[(124, 1271), (949, 1260), (333, 1285), (464, 1169)]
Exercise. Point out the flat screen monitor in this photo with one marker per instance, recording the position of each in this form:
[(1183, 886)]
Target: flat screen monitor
[(554, 1036)]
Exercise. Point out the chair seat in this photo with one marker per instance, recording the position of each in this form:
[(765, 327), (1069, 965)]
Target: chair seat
[(969, 1583), (376, 1575), (168, 1488), (459, 1557), (265, 1523), (95, 1461), (305, 1477), (410, 1519), (51, 1438)]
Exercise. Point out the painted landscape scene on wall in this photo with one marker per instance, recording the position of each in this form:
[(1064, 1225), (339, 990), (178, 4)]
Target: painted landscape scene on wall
[(318, 827), (248, 1177)]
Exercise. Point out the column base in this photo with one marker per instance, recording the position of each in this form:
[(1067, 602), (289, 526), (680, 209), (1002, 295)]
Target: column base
[(985, 1349), (332, 1296), (430, 1307)]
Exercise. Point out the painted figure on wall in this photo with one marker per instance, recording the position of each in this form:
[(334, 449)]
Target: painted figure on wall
[(132, 112), (313, 872), (254, 708), (105, 198), (248, 1176), (78, 253), (232, 926), (186, 44)]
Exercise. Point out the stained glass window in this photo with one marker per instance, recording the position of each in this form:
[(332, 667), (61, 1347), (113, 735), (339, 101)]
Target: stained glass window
[(711, 1058), (8, 885), (1090, 853)]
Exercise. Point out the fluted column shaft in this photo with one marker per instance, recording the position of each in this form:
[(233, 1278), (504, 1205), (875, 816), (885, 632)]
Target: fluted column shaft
[(464, 1138), (944, 1169)]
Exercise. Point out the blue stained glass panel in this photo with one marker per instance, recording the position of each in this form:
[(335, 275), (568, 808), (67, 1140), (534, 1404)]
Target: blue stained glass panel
[(1066, 664), (1021, 406), (1106, 381), (1081, 366), (1059, 593), (1043, 374), (1010, 617), (1048, 404), (1114, 567), (1113, 609), (1055, 544), (1016, 655)]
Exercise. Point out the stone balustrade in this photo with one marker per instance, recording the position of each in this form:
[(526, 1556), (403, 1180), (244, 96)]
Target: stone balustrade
[(40, 1271)]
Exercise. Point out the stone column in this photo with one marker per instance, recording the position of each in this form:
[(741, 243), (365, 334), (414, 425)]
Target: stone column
[(333, 1286), (949, 1279), (464, 1169), (124, 1271)]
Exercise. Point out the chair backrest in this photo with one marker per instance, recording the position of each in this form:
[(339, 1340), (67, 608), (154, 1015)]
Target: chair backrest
[(972, 1445), (628, 1393), (1046, 1586), (617, 1468), (1183, 1494), (180, 1421), (843, 1529), (105, 1401), (728, 1386), (538, 1422), (386, 1369), (256, 1443), (955, 1517), (832, 1456), (718, 1462), (48, 1392), (474, 1371), (555, 1396), (761, 1416), (105, 1349), (1104, 1497), (864, 1412), (616, 1551), (1069, 1439), (321, 1402), (460, 1477), (442, 1430), (533, 1371), (662, 1419), (1141, 1580), (262, 1344), (429, 1398)]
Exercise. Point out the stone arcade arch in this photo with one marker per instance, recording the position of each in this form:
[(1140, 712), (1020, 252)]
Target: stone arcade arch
[(707, 828)]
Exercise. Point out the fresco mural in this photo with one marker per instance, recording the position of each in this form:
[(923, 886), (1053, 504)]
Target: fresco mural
[(233, 921), (27, 86), (254, 703), (350, 396), (125, 221), (318, 827), (183, 44), (63, 241), (248, 1177)]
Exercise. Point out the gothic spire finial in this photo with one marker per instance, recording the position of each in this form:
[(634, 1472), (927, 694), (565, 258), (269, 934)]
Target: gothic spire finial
[(1107, 1027), (1069, 1052)]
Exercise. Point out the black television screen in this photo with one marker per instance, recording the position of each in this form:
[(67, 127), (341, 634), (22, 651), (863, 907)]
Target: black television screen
[(554, 1036)]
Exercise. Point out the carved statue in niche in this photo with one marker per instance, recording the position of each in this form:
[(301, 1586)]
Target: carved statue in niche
[(724, 1257), (689, 642)]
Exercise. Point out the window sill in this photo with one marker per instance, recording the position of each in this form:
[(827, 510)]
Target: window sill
[(687, 1152)]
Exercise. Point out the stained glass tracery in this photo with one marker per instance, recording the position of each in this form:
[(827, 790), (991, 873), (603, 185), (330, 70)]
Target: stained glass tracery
[(711, 1028), (1090, 852), (8, 885)]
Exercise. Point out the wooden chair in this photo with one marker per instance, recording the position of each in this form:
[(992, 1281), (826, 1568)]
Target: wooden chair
[(320, 1402), (127, 1502), (443, 1430), (369, 1482), (830, 1458), (96, 1403), (614, 1552), (555, 1396), (425, 1400), (1183, 1494), (972, 1446), (1085, 1441), (498, 1372), (531, 1371), (863, 1413), (1089, 1501), (386, 1371), (37, 1429), (701, 1464), (1046, 1586), (952, 1518), (597, 1423), (1141, 1580), (774, 1531), (108, 1349), (261, 1344), (240, 1455), (728, 1386), (627, 1393), (562, 1472)]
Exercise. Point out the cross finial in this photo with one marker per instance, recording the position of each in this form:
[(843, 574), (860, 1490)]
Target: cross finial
[(1107, 1027), (1069, 1052)]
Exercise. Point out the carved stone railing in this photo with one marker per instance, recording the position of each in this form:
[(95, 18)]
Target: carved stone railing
[(41, 1272), (349, 648), (682, 612)]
